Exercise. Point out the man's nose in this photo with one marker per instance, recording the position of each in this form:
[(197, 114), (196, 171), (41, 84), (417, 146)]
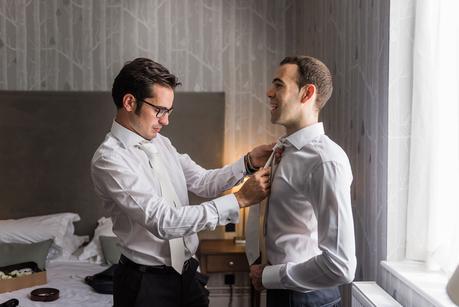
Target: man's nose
[(270, 92), (164, 120)]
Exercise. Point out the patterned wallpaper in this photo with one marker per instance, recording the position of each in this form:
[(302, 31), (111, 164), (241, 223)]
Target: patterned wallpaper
[(352, 37), (224, 45), (212, 45)]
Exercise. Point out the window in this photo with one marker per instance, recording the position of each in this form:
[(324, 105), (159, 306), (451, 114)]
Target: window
[(424, 133)]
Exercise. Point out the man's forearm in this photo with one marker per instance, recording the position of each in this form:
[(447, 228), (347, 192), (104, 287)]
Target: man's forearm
[(316, 273)]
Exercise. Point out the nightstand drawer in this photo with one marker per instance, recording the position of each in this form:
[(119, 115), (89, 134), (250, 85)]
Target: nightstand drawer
[(227, 263)]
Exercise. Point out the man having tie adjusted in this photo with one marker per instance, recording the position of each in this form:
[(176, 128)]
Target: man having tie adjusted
[(307, 236), (144, 181)]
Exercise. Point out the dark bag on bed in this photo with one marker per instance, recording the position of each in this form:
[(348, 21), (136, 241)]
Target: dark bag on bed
[(102, 282)]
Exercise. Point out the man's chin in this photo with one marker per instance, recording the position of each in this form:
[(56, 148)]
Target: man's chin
[(274, 119), (152, 135)]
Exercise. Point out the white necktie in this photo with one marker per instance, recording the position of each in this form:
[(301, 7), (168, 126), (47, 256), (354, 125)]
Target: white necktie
[(254, 231), (177, 246)]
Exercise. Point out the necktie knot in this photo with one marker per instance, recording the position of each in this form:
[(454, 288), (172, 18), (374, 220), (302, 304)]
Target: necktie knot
[(281, 144), (147, 146), (150, 150)]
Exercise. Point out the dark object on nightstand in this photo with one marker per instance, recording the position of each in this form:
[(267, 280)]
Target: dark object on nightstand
[(230, 227)]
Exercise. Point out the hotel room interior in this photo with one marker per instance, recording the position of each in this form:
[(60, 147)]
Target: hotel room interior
[(397, 123)]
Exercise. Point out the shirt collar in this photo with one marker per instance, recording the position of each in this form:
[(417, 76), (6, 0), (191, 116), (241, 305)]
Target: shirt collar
[(126, 136), (305, 135)]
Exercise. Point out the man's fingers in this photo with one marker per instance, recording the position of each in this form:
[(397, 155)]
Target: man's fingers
[(264, 179), (266, 186), (266, 150), (255, 277), (269, 146), (263, 172)]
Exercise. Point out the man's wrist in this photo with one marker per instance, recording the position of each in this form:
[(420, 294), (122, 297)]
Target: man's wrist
[(242, 201), (227, 208), (250, 168), (271, 276)]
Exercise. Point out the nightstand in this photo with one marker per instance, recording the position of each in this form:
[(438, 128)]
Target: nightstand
[(223, 256)]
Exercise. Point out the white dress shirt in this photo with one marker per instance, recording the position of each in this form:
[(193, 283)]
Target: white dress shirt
[(310, 232), (142, 218)]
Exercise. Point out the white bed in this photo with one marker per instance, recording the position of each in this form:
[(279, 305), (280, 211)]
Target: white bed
[(68, 277)]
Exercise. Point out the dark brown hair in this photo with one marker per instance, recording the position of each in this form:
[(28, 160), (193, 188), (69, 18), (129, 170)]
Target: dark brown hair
[(136, 78), (313, 71)]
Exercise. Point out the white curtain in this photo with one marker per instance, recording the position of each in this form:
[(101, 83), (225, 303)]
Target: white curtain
[(433, 196)]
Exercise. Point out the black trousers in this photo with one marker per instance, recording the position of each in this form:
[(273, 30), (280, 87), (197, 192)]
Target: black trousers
[(143, 286), (329, 297)]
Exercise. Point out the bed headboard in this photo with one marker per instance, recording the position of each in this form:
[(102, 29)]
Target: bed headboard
[(49, 138)]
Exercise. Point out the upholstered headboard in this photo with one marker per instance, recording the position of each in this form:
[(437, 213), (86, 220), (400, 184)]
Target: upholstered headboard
[(48, 139)]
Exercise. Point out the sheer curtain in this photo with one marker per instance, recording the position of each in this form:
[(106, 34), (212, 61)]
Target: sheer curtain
[(433, 196)]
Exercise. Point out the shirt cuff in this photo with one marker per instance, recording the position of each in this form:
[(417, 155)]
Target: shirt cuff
[(228, 209), (271, 278), (238, 169)]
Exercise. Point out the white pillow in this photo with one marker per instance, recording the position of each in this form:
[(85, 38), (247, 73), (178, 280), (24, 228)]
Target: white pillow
[(93, 251), (58, 227), (70, 244)]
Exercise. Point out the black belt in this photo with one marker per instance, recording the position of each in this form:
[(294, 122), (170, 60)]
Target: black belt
[(158, 269)]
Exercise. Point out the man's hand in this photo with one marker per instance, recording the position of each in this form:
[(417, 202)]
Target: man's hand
[(260, 154), (255, 189), (256, 273)]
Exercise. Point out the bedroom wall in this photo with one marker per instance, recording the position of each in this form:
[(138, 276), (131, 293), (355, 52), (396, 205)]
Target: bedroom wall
[(231, 46)]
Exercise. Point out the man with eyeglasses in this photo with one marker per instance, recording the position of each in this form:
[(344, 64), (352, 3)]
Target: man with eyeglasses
[(144, 181)]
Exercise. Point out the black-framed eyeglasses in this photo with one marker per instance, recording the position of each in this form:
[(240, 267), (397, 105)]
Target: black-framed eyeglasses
[(160, 111)]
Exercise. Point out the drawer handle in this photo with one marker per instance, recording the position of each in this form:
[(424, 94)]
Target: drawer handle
[(231, 263)]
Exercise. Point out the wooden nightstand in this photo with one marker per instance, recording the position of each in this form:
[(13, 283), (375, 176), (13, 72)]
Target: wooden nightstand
[(223, 256)]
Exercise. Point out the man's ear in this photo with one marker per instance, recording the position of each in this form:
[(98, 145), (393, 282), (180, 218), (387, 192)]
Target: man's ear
[(129, 103), (307, 92)]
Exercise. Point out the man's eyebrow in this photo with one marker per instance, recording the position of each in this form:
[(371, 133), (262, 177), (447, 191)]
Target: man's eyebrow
[(278, 80)]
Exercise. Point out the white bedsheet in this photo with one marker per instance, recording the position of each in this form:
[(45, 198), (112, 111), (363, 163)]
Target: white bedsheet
[(68, 277)]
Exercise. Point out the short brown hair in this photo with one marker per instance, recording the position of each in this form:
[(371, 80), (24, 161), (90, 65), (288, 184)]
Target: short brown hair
[(313, 71), (136, 78)]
